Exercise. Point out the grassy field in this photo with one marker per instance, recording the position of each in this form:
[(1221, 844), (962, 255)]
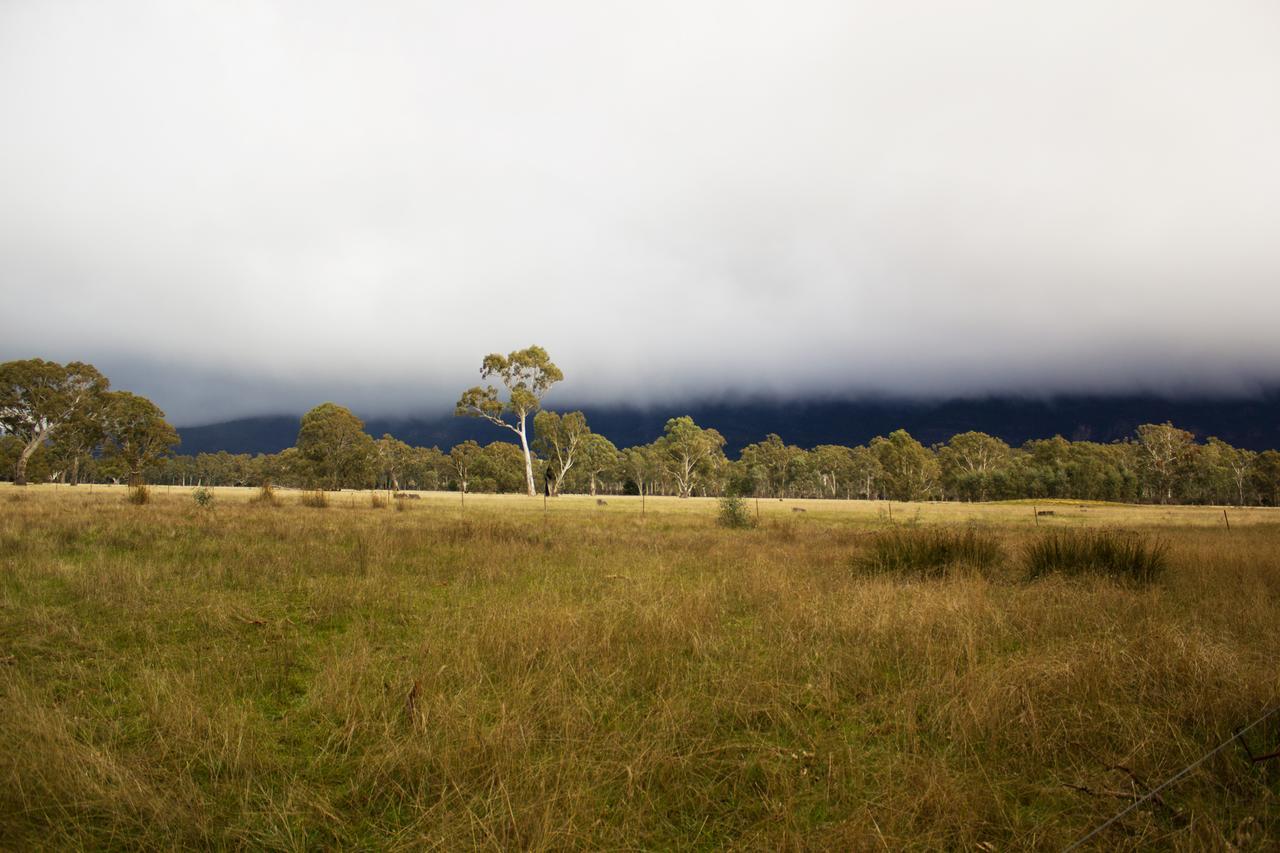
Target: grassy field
[(432, 676)]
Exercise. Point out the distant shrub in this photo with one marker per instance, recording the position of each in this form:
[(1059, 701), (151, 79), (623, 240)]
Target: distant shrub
[(734, 513), (1123, 556), (202, 496), (138, 495), (377, 500), (266, 495), (930, 551), (317, 499)]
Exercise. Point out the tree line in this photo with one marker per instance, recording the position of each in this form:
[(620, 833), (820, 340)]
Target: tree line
[(61, 423)]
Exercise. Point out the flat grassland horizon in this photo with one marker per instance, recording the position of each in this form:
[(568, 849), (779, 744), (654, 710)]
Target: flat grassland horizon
[(422, 674)]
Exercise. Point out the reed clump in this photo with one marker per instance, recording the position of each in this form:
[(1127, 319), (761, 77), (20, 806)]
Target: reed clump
[(930, 552), (1121, 555)]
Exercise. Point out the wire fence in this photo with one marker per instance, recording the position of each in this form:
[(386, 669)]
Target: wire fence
[(1172, 780)]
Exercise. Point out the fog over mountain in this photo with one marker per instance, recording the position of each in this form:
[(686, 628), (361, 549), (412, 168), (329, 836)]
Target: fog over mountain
[(1249, 423), (248, 209)]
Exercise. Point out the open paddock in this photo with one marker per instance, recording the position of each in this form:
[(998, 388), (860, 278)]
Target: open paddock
[(502, 675)]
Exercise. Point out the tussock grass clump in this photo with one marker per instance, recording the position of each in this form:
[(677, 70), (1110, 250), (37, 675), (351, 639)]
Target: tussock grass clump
[(317, 499), (266, 495), (377, 500), (733, 513), (202, 496), (930, 551), (401, 503), (1123, 556), (138, 495)]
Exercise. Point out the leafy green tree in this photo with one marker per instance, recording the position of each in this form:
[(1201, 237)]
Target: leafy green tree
[(1226, 471), (683, 447), (833, 465), (1093, 471), (597, 455), (39, 398), (806, 480), (641, 465), (135, 432), (1044, 469), (969, 462), (341, 453), (777, 460), (910, 470), (463, 458), (559, 440), (39, 467), (75, 443), (744, 480), (428, 469), (526, 375), (394, 460), (865, 470), (1266, 475), (501, 465), (290, 467), (1166, 454), (179, 469), (712, 474), (224, 469)]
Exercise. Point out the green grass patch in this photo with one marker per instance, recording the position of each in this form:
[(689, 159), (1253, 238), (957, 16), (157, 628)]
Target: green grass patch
[(1124, 556), (930, 552)]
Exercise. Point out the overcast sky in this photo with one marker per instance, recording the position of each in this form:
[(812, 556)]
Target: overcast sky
[(247, 208)]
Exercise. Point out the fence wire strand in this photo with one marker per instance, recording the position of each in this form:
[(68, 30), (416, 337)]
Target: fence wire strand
[(1181, 774)]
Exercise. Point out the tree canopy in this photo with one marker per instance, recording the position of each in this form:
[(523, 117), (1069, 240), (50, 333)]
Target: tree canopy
[(38, 398), (341, 453), (135, 432), (526, 375)]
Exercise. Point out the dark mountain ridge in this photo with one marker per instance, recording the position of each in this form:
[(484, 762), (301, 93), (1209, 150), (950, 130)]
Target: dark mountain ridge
[(1248, 423)]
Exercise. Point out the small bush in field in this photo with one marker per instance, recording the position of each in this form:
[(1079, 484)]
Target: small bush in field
[(1128, 557), (317, 499), (930, 551), (377, 500), (266, 495), (734, 513), (138, 495), (202, 496)]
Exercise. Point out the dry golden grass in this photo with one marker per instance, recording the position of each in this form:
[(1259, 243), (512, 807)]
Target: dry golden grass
[(249, 675)]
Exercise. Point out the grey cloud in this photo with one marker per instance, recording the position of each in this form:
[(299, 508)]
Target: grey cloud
[(249, 209)]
